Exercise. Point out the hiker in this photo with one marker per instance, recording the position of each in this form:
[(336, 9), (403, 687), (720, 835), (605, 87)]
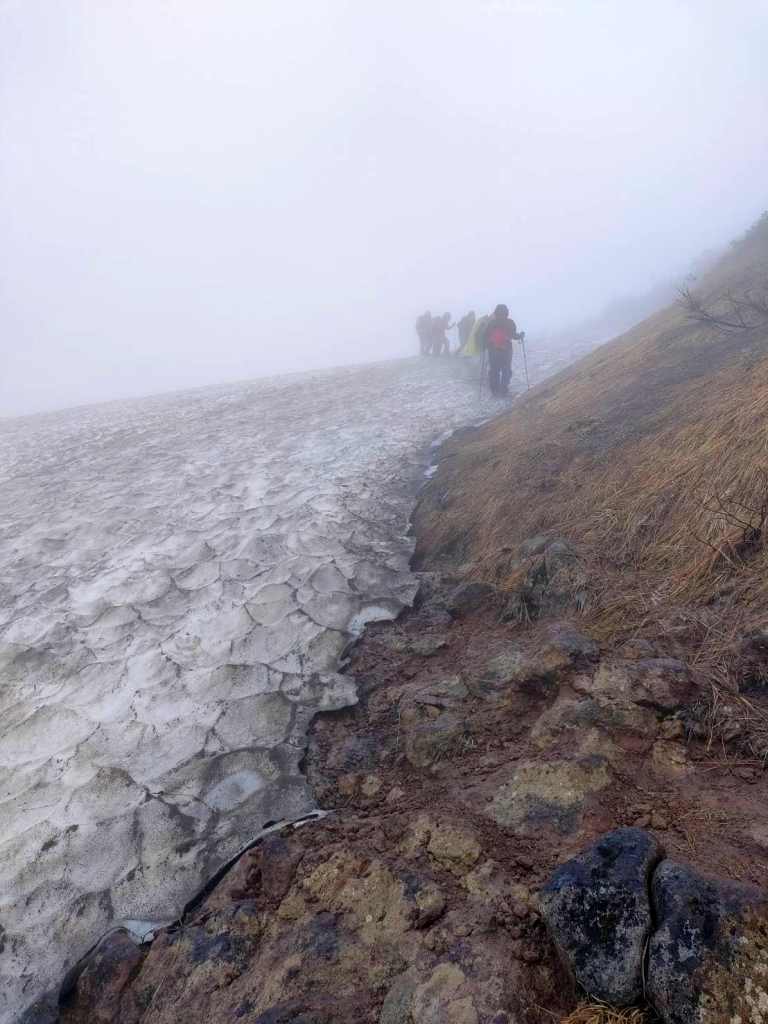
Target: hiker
[(465, 329), (440, 343), (497, 339), (474, 346), (424, 331)]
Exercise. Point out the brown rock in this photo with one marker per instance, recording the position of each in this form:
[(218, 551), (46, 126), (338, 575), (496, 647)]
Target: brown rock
[(349, 785), (371, 785), (433, 741), (453, 848), (107, 972), (279, 859)]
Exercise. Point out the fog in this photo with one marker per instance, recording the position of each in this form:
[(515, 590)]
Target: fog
[(196, 192)]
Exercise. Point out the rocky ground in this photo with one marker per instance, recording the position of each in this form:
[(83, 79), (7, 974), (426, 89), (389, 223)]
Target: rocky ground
[(479, 759)]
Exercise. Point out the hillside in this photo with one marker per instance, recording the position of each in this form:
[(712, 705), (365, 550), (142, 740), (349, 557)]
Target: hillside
[(649, 457)]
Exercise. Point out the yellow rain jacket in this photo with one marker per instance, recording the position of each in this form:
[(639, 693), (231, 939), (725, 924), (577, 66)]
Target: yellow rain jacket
[(472, 348)]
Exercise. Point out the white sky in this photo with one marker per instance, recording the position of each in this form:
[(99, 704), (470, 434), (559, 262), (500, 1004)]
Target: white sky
[(195, 191)]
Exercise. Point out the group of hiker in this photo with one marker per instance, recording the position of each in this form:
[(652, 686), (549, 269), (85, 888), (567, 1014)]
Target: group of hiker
[(492, 334)]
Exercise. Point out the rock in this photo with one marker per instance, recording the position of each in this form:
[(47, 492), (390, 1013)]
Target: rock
[(468, 598), (554, 584), (422, 646), (558, 651), (433, 741), (494, 677), (292, 908), (637, 650), (548, 794), (279, 860), (598, 911), (566, 587), (430, 904), (438, 999), (395, 794), (396, 1008), (371, 785), (664, 685), (533, 546), (349, 785), (45, 1010), (672, 729), (442, 691), (751, 663), (107, 971), (453, 848), (708, 958)]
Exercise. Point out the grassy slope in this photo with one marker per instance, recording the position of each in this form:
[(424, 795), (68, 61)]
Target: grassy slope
[(643, 456)]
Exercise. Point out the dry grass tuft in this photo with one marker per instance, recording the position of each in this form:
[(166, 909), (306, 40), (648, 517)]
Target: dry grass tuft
[(601, 1013)]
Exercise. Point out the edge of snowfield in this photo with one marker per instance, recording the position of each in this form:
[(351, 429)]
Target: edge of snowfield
[(181, 576)]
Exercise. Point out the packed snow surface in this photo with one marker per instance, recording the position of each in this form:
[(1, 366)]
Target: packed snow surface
[(179, 578)]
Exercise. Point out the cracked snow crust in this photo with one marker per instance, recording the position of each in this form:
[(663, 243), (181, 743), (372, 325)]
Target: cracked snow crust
[(179, 576)]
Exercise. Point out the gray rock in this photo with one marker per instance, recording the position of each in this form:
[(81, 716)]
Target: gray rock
[(442, 691), (396, 1008), (426, 646), (708, 958), (468, 598), (494, 677), (533, 546), (597, 907)]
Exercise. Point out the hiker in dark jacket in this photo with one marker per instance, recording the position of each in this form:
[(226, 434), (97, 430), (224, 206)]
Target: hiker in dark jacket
[(424, 331), (497, 338), (440, 343), (465, 329)]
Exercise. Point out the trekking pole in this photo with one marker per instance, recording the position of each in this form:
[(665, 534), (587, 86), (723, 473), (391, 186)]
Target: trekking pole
[(482, 374), (525, 360)]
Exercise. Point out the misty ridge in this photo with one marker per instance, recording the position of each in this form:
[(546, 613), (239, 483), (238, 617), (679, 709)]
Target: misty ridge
[(191, 197)]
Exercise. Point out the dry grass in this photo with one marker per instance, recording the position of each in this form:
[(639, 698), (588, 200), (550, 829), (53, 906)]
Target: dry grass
[(650, 456), (601, 1013)]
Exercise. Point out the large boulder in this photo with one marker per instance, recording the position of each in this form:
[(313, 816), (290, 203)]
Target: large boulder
[(597, 908), (708, 958)]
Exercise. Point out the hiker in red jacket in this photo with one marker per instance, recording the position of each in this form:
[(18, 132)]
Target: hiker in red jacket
[(498, 335)]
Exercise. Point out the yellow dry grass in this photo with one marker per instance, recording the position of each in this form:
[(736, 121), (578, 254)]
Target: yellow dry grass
[(650, 457), (601, 1013)]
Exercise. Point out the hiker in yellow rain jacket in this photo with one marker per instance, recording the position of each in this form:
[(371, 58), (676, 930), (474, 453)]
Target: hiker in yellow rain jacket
[(473, 347)]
